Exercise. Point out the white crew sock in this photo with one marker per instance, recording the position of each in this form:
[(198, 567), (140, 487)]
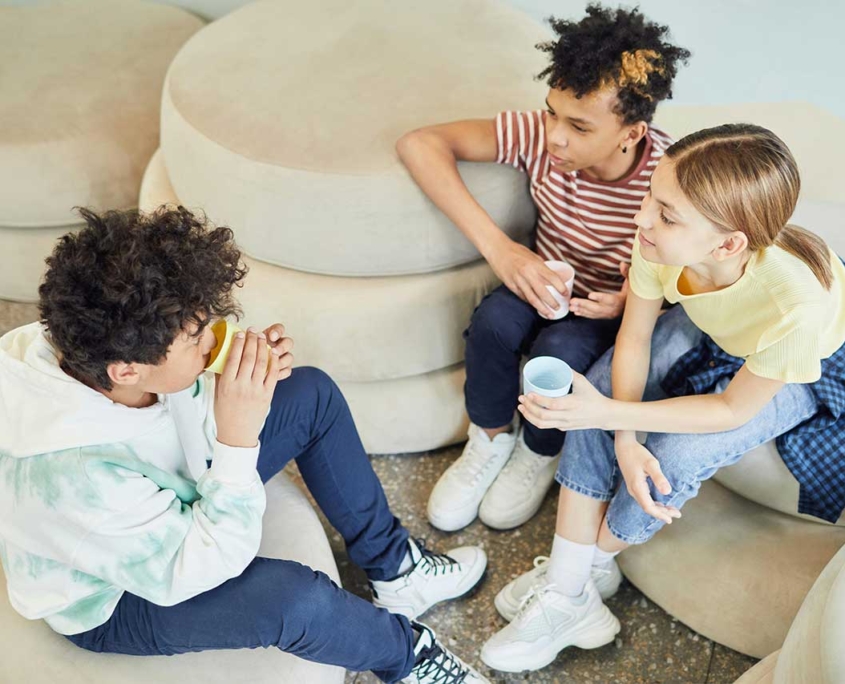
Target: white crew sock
[(603, 558), (569, 565)]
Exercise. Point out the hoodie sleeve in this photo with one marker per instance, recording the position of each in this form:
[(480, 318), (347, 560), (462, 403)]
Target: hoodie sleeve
[(155, 545)]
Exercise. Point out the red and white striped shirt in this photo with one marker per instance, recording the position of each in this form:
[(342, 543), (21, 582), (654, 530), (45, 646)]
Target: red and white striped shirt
[(587, 222)]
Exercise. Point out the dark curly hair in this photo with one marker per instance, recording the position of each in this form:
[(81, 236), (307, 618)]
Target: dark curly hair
[(614, 48), (123, 287)]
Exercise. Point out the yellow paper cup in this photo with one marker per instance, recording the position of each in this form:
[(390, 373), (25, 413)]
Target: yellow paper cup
[(224, 332)]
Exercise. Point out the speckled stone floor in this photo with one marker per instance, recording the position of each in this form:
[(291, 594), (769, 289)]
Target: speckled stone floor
[(652, 648)]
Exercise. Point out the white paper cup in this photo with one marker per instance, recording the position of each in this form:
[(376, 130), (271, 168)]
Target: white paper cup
[(565, 271), (547, 376)]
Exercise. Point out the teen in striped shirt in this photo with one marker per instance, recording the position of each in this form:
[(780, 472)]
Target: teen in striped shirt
[(589, 156)]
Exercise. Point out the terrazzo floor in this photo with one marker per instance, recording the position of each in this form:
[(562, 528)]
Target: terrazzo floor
[(652, 648)]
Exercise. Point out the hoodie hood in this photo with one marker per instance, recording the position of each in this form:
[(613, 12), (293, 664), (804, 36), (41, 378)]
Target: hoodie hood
[(42, 409)]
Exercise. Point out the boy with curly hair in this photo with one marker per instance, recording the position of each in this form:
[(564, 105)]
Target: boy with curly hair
[(131, 481), (589, 157)]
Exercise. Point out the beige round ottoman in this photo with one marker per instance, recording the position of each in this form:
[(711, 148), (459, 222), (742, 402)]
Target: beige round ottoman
[(290, 138), (410, 415), (291, 531), (762, 673), (813, 650), (79, 122)]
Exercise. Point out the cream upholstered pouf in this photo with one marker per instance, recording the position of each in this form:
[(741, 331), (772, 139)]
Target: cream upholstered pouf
[(406, 414), (410, 415), (33, 653), (280, 119), (762, 477), (762, 673), (77, 124), (813, 649), (733, 570)]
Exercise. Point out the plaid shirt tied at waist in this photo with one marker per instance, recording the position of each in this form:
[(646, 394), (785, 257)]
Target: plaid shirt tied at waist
[(814, 451)]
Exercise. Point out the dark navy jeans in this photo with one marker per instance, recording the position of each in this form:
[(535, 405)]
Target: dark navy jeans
[(282, 603), (503, 330)]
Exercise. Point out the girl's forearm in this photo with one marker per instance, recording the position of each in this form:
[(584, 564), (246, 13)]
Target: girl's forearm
[(631, 359), (692, 414)]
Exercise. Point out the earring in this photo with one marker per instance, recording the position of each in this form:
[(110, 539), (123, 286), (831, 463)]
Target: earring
[(625, 150)]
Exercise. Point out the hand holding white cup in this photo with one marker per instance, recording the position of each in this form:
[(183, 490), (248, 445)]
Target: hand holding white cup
[(567, 274), (547, 376)]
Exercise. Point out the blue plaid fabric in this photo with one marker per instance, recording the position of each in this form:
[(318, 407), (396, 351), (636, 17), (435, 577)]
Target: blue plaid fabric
[(814, 451)]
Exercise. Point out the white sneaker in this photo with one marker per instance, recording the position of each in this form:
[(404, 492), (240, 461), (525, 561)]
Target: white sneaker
[(437, 665), (546, 623), (607, 580), (454, 501), (432, 579), (520, 488)]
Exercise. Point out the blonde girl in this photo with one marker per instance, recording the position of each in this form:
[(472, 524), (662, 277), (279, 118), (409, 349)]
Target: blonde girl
[(753, 351)]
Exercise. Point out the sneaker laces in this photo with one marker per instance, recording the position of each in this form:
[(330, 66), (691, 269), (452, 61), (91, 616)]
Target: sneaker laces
[(523, 465), (437, 563), (439, 666), (473, 464), (534, 597), (540, 560)]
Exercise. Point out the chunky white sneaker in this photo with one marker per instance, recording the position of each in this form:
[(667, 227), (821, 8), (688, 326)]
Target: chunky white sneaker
[(520, 488), (607, 580), (435, 664), (546, 623), (432, 579), (454, 501)]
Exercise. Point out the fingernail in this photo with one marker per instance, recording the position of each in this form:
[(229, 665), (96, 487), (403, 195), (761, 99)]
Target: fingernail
[(274, 336), (239, 335), (250, 329), (262, 336), (275, 352)]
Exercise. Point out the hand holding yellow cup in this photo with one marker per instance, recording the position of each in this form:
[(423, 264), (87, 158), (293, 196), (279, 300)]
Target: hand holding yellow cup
[(224, 332)]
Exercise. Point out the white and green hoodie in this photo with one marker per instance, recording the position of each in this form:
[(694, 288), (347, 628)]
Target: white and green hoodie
[(97, 498)]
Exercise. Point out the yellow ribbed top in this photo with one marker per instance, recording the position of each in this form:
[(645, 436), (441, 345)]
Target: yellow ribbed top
[(777, 316)]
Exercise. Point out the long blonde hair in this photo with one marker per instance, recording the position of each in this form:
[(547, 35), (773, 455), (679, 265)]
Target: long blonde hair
[(742, 177)]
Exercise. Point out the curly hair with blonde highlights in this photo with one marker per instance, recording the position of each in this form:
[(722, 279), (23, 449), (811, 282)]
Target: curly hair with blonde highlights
[(614, 48)]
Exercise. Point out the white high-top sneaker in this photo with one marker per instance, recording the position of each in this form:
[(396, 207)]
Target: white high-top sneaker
[(548, 622), (606, 578), (437, 665), (455, 499), (520, 488), (432, 579)]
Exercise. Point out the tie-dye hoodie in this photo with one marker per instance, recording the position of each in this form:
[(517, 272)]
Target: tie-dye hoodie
[(97, 498)]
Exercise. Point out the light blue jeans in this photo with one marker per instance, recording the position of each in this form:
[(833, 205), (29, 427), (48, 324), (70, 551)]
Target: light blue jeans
[(588, 463)]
